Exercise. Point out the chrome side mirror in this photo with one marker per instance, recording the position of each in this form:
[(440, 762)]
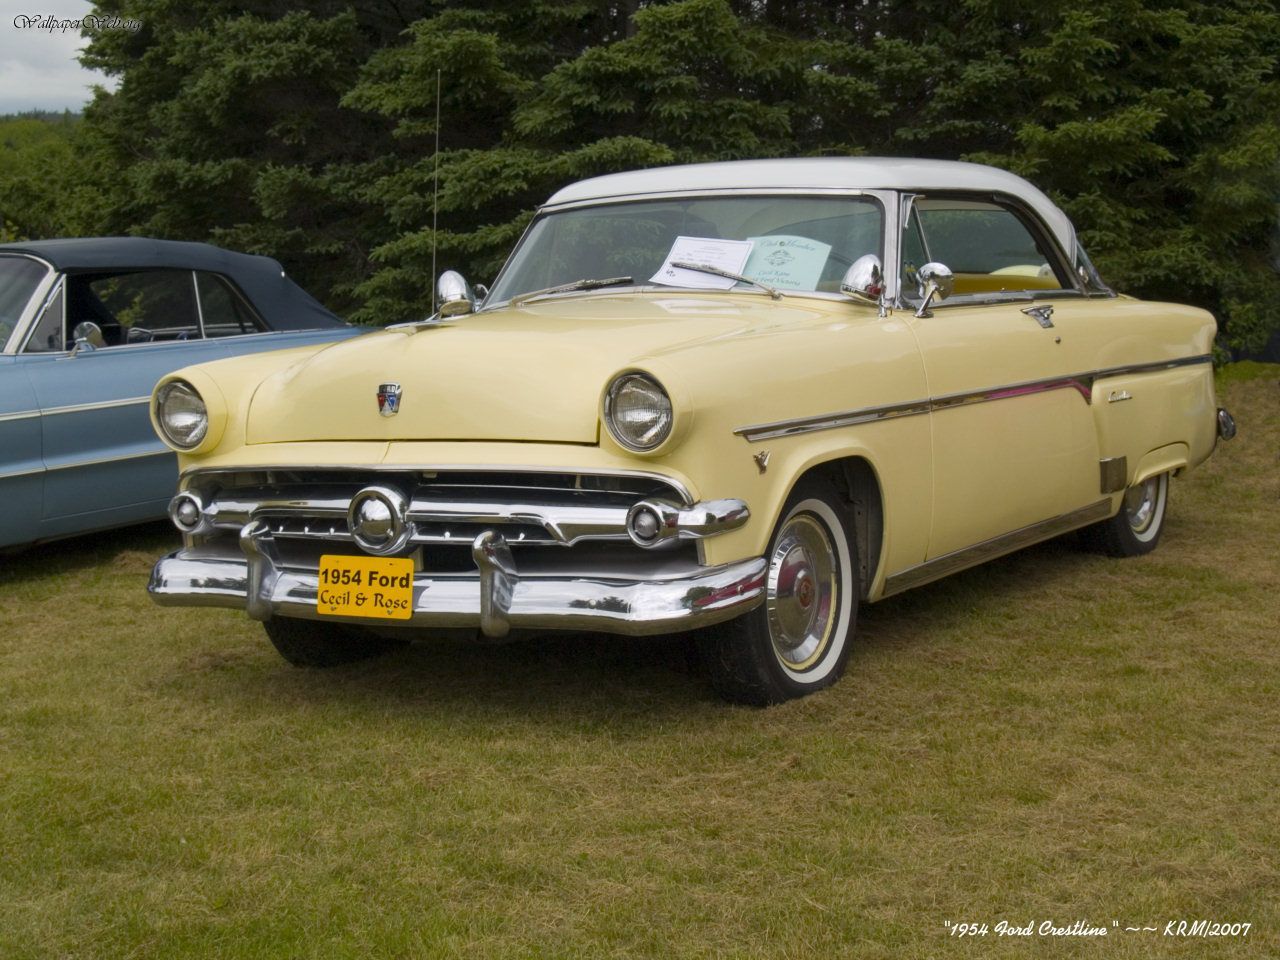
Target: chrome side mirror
[(934, 281), (454, 294), (864, 281), (87, 337)]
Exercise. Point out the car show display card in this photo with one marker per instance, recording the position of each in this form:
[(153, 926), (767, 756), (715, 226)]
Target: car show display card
[(787, 262), (730, 255)]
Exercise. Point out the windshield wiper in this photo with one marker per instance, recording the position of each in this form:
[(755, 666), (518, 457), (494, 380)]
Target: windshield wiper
[(728, 275), (568, 288)]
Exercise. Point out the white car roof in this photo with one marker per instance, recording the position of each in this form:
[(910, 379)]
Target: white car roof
[(841, 173)]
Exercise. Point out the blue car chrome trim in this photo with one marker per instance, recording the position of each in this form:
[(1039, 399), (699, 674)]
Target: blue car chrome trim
[(23, 415), (1082, 383), (159, 451), (14, 474), (101, 405), (75, 408)]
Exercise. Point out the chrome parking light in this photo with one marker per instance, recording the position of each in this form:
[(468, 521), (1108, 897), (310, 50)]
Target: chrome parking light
[(378, 520)]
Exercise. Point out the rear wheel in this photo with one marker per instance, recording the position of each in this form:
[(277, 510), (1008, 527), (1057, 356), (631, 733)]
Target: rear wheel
[(1136, 529), (309, 643), (797, 641)]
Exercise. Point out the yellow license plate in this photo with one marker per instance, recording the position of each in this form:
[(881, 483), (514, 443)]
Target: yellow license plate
[(380, 587)]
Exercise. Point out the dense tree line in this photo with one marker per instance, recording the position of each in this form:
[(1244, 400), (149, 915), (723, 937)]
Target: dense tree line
[(311, 133)]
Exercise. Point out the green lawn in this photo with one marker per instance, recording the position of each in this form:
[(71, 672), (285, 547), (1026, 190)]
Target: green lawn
[(1055, 736)]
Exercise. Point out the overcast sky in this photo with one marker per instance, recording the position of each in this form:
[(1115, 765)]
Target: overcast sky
[(38, 67)]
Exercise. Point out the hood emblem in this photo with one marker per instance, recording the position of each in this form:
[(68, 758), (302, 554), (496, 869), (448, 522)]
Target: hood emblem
[(389, 395)]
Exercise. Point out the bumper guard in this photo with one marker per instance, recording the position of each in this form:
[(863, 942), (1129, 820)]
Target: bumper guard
[(496, 598)]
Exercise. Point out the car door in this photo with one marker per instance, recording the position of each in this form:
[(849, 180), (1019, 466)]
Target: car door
[(26, 283), (100, 454), (21, 467), (1014, 442)]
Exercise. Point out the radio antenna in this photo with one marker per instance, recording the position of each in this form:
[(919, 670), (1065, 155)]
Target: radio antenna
[(435, 199)]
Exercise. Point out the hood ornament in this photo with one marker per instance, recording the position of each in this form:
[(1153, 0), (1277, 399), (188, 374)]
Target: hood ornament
[(389, 395)]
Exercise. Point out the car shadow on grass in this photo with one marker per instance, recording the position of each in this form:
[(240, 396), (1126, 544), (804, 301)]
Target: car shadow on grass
[(86, 551), (1043, 568), (630, 682)]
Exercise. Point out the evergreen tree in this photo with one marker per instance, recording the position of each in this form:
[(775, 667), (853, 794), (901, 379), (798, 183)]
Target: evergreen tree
[(311, 134)]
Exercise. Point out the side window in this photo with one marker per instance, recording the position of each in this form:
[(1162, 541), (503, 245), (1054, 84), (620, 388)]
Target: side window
[(988, 247), (914, 253), (224, 311), (130, 308), (47, 337)]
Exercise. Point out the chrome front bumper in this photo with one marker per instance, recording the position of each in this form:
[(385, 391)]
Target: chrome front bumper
[(496, 598)]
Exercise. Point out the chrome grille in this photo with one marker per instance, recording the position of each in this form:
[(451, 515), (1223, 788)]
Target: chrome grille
[(306, 511)]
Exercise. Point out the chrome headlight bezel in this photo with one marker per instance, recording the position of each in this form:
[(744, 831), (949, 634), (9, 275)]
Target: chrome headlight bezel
[(166, 397), (647, 441)]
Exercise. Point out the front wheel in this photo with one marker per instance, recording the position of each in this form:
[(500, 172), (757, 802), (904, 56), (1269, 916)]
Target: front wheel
[(797, 641), (312, 643), (1136, 529)]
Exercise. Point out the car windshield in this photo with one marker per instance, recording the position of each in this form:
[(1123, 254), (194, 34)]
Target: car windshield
[(19, 278), (792, 243)]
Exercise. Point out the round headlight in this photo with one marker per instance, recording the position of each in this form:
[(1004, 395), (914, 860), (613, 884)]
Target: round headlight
[(182, 415), (637, 412)]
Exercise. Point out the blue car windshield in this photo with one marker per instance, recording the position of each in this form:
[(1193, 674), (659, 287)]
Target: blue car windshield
[(19, 278), (792, 242)]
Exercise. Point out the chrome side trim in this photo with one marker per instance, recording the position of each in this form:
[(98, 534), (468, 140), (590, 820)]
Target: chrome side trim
[(14, 474), (98, 461), (101, 405), (21, 415), (831, 421), (1082, 383), (1152, 367), (958, 560)]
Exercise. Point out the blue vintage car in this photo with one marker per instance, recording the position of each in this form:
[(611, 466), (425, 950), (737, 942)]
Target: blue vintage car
[(87, 326)]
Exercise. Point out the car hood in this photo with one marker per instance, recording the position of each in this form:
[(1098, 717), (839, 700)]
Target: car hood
[(534, 372)]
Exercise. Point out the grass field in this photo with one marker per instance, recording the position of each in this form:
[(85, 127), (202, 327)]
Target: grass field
[(1055, 736)]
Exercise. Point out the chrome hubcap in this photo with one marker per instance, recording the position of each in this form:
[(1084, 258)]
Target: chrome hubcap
[(800, 596), (1140, 504)]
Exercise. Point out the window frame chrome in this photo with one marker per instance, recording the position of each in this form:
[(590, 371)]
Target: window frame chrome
[(36, 304), (887, 200), (1035, 226)]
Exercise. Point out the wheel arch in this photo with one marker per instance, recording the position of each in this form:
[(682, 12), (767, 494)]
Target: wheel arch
[(859, 486)]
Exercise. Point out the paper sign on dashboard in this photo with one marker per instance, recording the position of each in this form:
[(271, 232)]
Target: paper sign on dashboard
[(787, 262), (730, 255)]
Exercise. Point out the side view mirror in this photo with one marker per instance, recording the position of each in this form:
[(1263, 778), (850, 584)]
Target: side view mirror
[(454, 294), (864, 280), (87, 337), (934, 281)]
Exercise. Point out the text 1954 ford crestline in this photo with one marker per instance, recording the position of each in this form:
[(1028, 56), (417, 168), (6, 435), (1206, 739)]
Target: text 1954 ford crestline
[(735, 397)]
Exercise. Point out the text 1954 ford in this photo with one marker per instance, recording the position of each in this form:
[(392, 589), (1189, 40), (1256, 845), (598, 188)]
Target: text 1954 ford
[(734, 397)]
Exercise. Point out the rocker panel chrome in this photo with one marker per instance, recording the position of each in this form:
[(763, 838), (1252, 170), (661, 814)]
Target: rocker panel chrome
[(950, 563)]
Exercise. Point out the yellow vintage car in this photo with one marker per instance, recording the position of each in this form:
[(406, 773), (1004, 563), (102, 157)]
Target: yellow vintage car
[(731, 398)]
